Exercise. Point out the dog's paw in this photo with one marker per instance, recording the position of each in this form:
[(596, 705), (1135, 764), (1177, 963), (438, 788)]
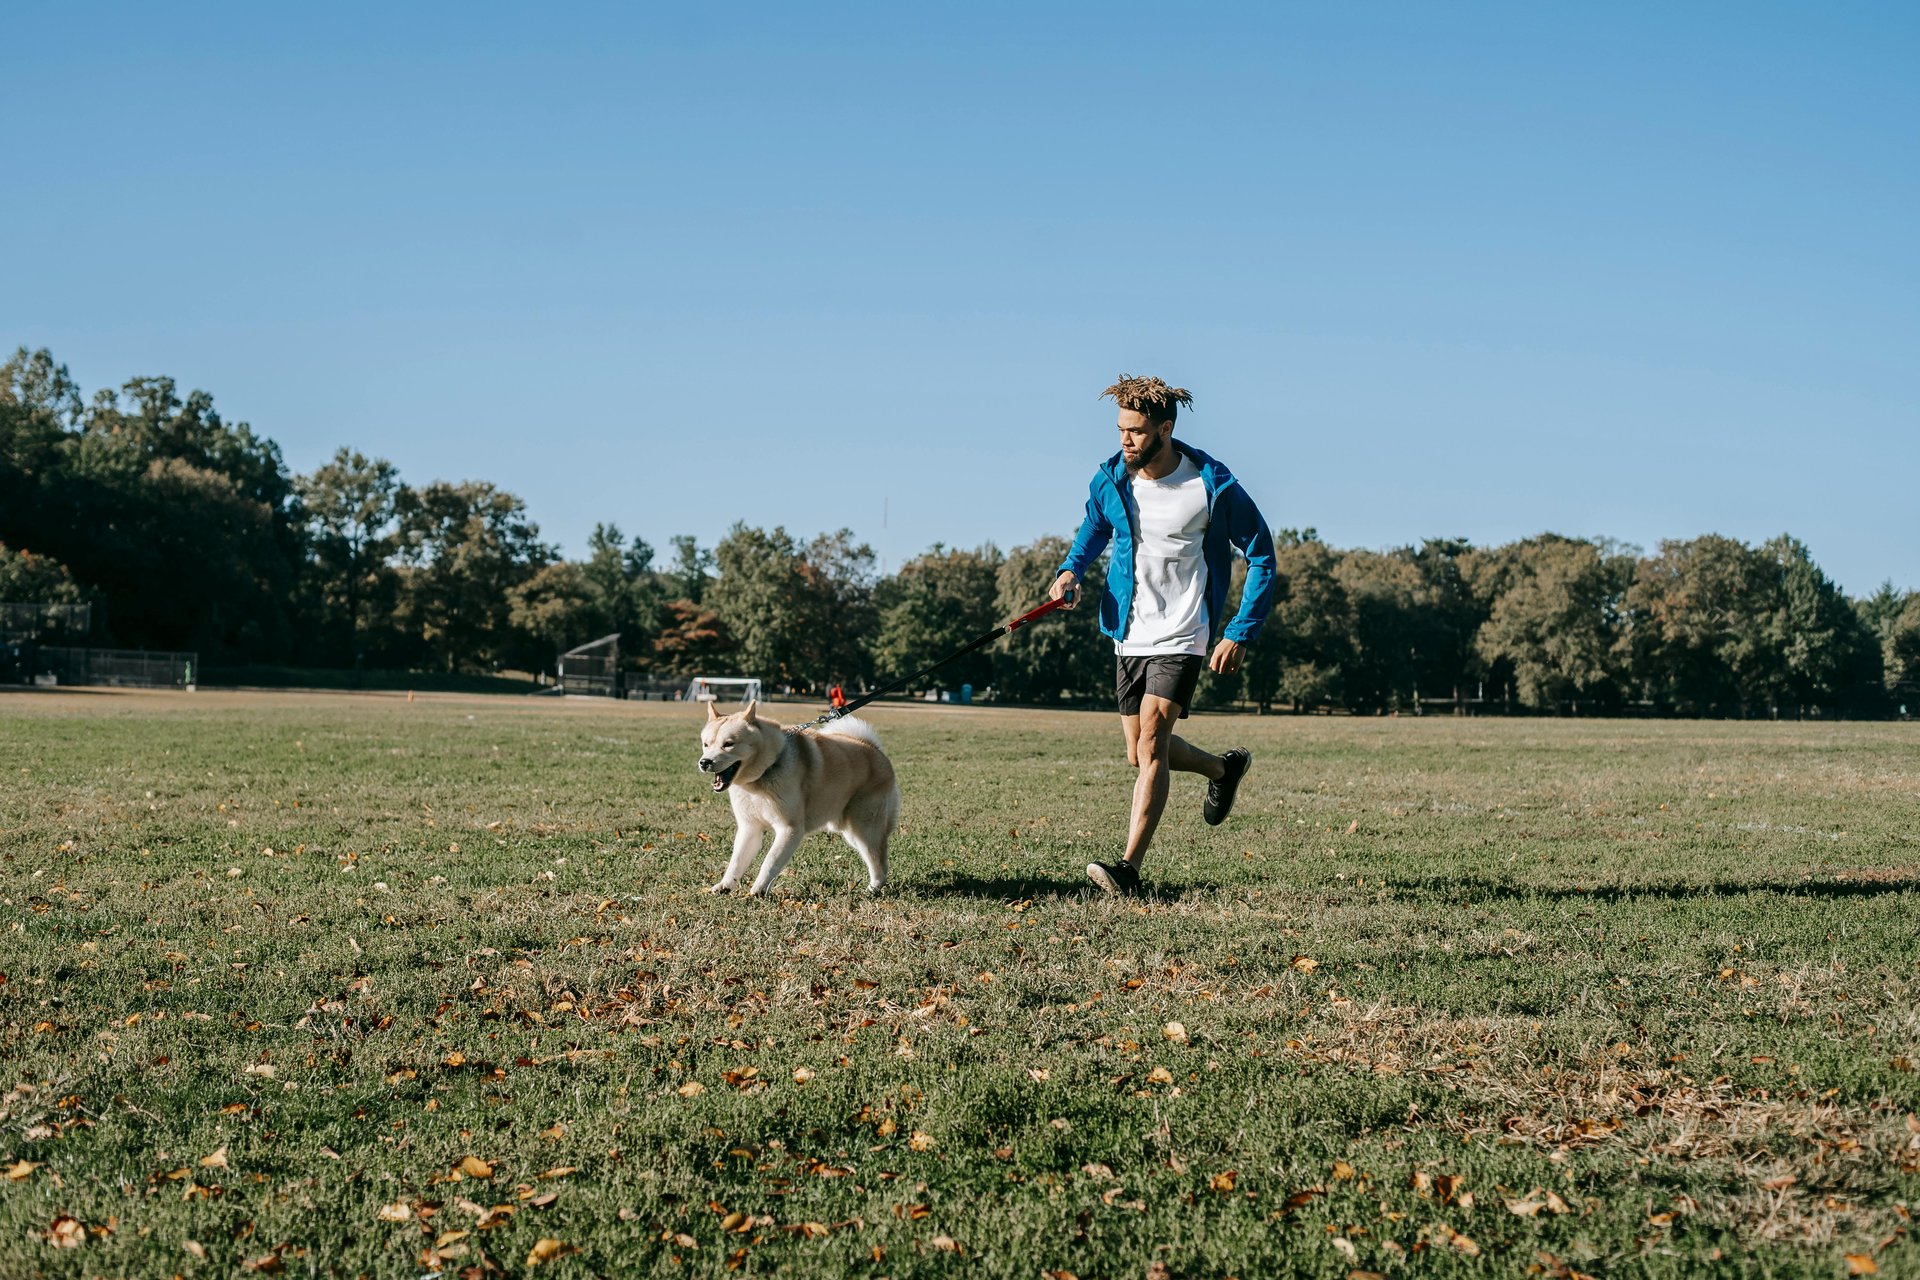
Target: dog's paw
[(722, 887)]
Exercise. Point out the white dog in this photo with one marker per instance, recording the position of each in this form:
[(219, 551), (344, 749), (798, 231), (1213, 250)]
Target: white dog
[(793, 782)]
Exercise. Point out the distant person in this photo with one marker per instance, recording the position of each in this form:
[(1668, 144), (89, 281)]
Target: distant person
[(1174, 516), (837, 697)]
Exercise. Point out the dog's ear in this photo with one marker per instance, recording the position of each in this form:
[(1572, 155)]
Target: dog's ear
[(713, 710), (748, 713)]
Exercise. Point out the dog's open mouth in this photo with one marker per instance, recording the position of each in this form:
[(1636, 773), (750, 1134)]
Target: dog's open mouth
[(723, 779)]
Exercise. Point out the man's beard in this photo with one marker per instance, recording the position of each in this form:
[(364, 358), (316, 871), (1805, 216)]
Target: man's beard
[(1148, 455)]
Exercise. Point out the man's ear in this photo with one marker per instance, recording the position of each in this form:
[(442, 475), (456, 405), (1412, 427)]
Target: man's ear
[(748, 713), (713, 710)]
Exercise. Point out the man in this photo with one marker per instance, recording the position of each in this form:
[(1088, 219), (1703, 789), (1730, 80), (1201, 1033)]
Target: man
[(1174, 516)]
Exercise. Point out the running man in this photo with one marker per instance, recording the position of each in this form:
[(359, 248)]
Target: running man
[(1174, 516)]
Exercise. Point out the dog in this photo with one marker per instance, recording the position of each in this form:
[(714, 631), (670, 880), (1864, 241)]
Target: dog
[(792, 783)]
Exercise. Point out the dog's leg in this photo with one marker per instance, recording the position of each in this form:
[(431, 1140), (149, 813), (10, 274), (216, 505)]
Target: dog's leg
[(746, 843), (872, 848), (785, 841), (869, 829)]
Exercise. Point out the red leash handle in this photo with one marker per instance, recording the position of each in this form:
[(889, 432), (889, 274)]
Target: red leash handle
[(1045, 609)]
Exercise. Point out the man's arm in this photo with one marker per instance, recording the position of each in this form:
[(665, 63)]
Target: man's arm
[(1088, 543), (1247, 532)]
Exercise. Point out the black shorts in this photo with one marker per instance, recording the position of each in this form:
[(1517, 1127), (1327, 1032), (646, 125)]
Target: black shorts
[(1165, 675)]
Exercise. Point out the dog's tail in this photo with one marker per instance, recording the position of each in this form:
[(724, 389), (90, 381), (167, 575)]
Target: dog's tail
[(852, 727)]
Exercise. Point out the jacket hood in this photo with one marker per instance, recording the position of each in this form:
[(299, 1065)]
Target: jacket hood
[(1213, 472)]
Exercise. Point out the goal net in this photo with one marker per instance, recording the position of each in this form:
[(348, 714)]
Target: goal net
[(716, 688)]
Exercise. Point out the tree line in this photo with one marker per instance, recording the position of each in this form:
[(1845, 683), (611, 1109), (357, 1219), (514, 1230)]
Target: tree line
[(189, 532)]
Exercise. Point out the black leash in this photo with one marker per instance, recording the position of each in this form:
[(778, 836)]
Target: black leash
[(979, 642)]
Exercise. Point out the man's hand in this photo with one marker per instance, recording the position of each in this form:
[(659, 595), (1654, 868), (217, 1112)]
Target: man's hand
[(1226, 657), (1063, 584)]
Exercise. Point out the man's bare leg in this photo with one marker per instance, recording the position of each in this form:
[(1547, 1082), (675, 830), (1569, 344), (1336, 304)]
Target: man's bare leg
[(1153, 749)]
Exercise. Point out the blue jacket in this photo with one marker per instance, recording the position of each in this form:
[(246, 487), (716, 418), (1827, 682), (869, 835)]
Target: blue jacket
[(1233, 524)]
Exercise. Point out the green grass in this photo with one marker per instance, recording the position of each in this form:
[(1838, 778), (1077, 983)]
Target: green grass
[(1652, 984)]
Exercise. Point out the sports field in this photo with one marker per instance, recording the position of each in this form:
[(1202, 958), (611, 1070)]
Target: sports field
[(343, 985)]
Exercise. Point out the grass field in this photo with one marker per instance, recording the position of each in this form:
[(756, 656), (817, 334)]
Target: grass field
[(342, 985)]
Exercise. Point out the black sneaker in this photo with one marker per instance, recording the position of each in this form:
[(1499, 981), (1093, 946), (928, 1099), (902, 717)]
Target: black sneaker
[(1220, 794), (1118, 878)]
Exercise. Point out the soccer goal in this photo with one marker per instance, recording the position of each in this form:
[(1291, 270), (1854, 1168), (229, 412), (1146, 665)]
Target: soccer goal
[(714, 688)]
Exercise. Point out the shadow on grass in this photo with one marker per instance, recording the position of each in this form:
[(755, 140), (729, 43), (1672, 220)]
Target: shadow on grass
[(1018, 888), (1472, 889)]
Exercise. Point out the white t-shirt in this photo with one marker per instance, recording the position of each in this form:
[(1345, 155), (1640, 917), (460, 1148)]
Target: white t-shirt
[(1169, 612)]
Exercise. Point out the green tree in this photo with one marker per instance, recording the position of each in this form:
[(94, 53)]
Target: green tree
[(1827, 655), (555, 608), (465, 547), (933, 605), (183, 523), (1696, 619), (1302, 654), (1063, 655), (351, 505), (26, 577), (1901, 648), (624, 589), (692, 570), (799, 614), (1383, 594), (1554, 617)]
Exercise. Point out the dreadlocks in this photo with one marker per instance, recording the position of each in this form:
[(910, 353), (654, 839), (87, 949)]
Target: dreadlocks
[(1149, 396)]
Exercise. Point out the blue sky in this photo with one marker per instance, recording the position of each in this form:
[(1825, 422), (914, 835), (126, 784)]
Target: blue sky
[(1641, 271)]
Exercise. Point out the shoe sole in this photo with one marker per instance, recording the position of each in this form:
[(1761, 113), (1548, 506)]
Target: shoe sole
[(1100, 876)]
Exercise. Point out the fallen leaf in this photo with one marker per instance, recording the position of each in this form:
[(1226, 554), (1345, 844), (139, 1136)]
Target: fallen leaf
[(1159, 1075), (475, 1167), (1342, 1171), (1038, 1074), (920, 1141), (195, 1248), (1780, 1183), (802, 1074), (1353, 826), (1305, 964), (216, 1160), (1223, 1182), (947, 1243), (267, 1264), (66, 1233), (561, 1171), (1175, 1032), (398, 1211), (736, 1221), (1526, 1208), (558, 1132), (692, 1089), (1096, 1170), (546, 1249), (20, 1169), (1862, 1264)]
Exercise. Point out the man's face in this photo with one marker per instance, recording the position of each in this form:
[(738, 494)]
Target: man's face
[(1140, 440)]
